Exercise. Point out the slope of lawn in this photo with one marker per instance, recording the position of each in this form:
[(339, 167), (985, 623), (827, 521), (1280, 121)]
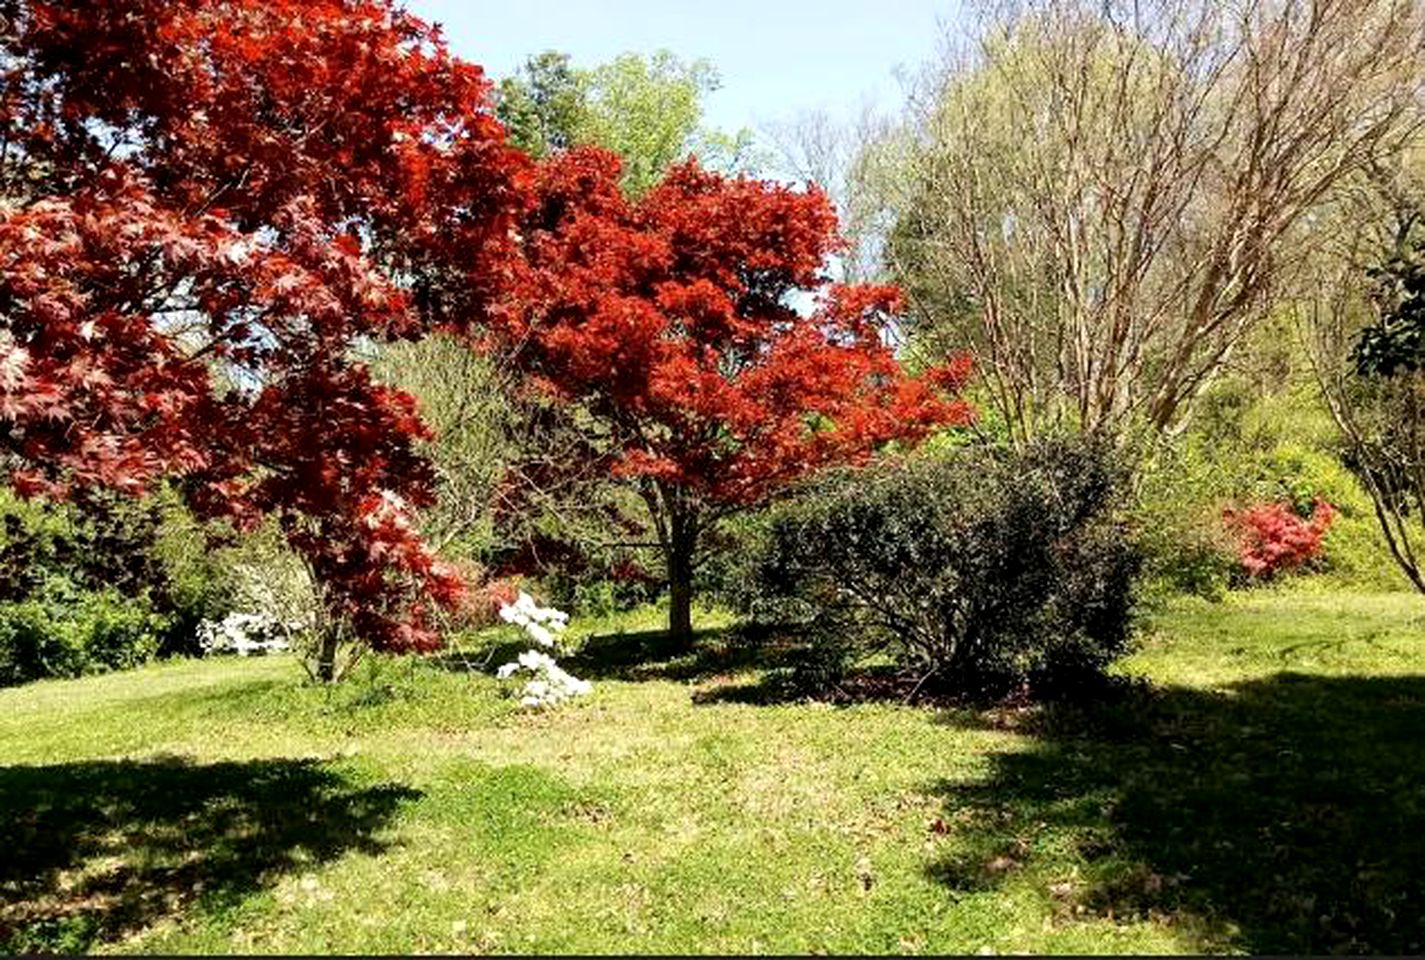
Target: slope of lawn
[(1267, 793)]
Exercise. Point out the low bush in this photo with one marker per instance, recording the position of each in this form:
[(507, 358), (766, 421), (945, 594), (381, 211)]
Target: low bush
[(625, 585), (976, 571), (1353, 554), (1275, 538), (62, 631), (150, 549)]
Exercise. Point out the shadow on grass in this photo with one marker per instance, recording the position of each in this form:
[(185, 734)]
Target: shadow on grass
[(1283, 815), (753, 668), (870, 683), (624, 655), (654, 655), (94, 850)]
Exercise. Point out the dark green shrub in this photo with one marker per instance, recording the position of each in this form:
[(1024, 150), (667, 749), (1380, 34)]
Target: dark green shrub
[(604, 592), (32, 646), (976, 571), (150, 550), (62, 631), (117, 632)]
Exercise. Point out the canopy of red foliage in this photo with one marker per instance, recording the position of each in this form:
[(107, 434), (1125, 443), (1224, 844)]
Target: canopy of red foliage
[(203, 207), (675, 321)]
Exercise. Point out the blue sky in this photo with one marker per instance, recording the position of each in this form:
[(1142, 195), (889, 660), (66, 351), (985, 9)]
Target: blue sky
[(775, 56)]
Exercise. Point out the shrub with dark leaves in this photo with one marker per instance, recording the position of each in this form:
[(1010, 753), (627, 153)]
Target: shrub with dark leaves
[(977, 573)]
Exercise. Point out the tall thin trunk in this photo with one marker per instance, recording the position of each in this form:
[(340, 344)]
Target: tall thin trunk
[(326, 656), (681, 544)]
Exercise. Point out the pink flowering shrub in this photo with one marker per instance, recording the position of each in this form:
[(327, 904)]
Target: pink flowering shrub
[(1272, 537)]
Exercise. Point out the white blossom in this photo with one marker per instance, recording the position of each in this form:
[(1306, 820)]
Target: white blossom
[(244, 634), (534, 660), (540, 634), (549, 684)]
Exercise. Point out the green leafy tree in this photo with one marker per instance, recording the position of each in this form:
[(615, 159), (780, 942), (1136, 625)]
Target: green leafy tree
[(542, 105), (648, 110)]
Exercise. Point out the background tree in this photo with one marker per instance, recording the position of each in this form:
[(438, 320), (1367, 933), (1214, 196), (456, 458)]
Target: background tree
[(666, 319), (1104, 198), (648, 110), (849, 160), (543, 104), (519, 489), (205, 207), (468, 406), (1366, 330)]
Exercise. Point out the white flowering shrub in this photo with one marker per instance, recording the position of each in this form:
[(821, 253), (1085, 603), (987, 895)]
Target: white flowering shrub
[(548, 684), (244, 634), (278, 588), (541, 623)]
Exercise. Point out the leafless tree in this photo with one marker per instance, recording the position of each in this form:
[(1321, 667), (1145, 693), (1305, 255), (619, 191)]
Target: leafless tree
[(1103, 198), (846, 158), (1381, 418)]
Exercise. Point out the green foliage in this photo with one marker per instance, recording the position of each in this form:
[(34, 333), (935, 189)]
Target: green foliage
[(1177, 511), (1182, 493), (542, 105), (1353, 553), (197, 580), (1261, 434), (99, 540), (105, 582), (467, 405), (1395, 343), (65, 632), (520, 486), (985, 569), (1380, 403), (648, 110), (606, 595)]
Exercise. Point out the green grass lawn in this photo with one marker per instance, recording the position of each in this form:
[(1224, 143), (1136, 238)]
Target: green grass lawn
[(1267, 794)]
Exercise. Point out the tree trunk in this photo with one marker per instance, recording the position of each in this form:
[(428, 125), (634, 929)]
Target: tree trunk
[(326, 656), (682, 541)]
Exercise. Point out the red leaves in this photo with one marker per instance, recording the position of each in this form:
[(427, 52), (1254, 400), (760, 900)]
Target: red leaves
[(670, 319), (1273, 538), (952, 375), (203, 198), (211, 203)]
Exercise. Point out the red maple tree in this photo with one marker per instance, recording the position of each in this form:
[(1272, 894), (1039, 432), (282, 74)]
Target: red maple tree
[(204, 205), (672, 322)]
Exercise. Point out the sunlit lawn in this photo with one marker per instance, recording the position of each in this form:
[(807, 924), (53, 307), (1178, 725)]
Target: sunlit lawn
[(1268, 794)]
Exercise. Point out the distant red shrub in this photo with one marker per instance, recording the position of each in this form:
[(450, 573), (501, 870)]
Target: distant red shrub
[(1272, 537), (480, 604), (631, 571)]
